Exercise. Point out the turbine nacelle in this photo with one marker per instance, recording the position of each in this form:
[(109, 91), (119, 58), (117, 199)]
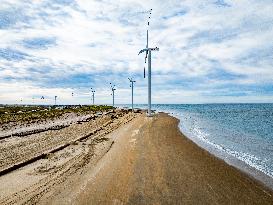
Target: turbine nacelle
[(112, 86), (131, 80), (148, 49)]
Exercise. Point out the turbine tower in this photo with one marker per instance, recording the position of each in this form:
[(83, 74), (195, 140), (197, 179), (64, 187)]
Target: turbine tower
[(113, 93), (132, 86), (93, 95), (148, 52), (55, 99)]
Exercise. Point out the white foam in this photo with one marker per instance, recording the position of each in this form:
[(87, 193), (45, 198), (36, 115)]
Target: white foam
[(249, 159)]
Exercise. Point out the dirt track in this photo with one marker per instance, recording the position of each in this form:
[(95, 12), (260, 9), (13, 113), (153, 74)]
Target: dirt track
[(15, 150)]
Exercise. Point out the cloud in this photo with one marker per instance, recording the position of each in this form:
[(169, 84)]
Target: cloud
[(39, 43), (12, 55), (221, 3), (210, 51)]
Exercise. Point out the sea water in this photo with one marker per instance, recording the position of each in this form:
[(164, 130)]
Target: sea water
[(242, 131)]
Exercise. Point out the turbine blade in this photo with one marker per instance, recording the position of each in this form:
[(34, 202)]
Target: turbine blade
[(143, 50), (147, 39), (146, 56), (144, 72)]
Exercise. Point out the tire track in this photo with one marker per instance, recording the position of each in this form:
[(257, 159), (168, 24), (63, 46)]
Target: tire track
[(32, 194), (24, 151)]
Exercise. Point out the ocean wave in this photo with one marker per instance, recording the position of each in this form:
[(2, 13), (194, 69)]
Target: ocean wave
[(250, 159)]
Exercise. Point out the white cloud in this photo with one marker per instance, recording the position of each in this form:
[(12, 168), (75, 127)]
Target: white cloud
[(196, 38)]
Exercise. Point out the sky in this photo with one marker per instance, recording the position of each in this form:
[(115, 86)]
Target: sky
[(211, 51)]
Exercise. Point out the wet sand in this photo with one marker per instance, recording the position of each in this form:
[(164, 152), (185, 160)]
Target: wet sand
[(143, 161)]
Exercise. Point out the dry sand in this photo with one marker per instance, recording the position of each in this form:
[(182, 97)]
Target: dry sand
[(144, 161), (64, 156)]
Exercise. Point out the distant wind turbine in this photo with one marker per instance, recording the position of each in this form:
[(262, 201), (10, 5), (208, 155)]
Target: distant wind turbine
[(113, 93), (132, 86), (93, 95), (42, 99)]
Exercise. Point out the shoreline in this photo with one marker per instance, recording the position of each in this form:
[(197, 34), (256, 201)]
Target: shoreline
[(251, 171), (235, 162), (245, 144)]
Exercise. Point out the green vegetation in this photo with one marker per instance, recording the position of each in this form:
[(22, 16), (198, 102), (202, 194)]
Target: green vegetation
[(36, 113)]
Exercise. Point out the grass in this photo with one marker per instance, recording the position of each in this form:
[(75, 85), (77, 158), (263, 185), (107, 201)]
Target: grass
[(14, 113)]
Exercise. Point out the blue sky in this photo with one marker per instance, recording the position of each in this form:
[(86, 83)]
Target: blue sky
[(211, 51)]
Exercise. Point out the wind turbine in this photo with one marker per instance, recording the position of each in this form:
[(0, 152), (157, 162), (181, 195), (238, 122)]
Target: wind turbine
[(93, 95), (113, 93), (148, 52), (132, 86), (42, 99), (72, 98)]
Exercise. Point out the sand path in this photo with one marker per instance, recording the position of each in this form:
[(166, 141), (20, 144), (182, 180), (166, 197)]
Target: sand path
[(152, 163)]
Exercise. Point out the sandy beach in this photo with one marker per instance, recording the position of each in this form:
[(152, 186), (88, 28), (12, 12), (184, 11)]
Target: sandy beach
[(121, 158)]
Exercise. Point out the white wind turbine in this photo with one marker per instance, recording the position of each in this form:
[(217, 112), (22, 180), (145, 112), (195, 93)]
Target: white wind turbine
[(93, 95), (148, 53), (113, 93), (132, 86)]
